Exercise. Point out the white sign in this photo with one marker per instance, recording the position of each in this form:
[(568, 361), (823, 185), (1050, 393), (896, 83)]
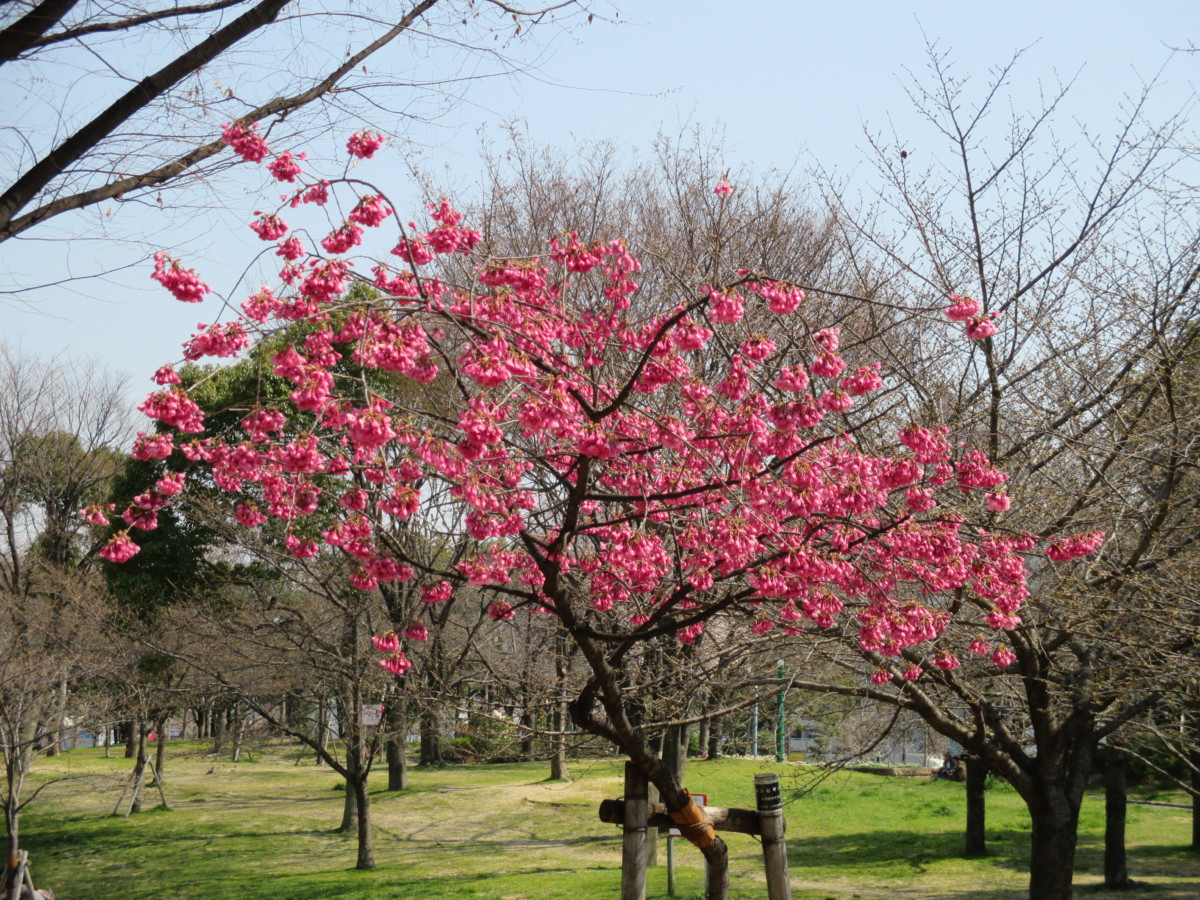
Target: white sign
[(372, 714)]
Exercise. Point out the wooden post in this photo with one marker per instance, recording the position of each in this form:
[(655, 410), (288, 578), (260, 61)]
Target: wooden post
[(651, 832), (633, 844), (770, 816)]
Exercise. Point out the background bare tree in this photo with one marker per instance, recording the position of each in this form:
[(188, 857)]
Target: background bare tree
[(59, 425), (1090, 265), (115, 101)]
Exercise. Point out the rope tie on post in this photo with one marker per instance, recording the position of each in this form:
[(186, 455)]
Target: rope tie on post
[(694, 824)]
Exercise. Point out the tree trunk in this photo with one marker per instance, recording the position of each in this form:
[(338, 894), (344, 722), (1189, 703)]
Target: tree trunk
[(558, 760), (55, 738), (219, 729), (1052, 858), (1116, 870), (349, 811), (528, 731), (560, 717), (1195, 754), (239, 731), (366, 843), (139, 770), (674, 755), (133, 729), (12, 818), (705, 730), (396, 722), (322, 728), (716, 735), (431, 739), (977, 773)]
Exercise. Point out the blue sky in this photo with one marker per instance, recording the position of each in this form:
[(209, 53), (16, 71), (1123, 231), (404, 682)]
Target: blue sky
[(792, 85)]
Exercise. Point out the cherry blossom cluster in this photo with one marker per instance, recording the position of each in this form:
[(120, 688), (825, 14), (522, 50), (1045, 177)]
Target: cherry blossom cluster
[(648, 464), (965, 309), (184, 284)]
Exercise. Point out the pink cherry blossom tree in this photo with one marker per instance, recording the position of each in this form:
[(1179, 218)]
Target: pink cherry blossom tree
[(639, 467)]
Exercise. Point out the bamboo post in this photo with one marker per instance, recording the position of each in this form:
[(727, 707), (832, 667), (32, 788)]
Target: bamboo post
[(633, 844), (770, 816)]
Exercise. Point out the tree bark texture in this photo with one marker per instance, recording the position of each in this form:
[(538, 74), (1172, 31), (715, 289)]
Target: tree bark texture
[(976, 836), (1116, 870)]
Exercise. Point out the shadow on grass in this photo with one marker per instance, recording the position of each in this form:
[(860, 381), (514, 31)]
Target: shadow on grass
[(866, 851)]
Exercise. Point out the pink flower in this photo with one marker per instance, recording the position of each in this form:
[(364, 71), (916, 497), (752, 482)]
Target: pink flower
[(245, 141), (723, 188), (166, 375), (998, 501), (371, 211), (961, 308), (184, 284), (94, 515), (979, 646), (364, 581), (416, 631), (1003, 657), (248, 516), (1075, 546), (436, 593), (946, 661), (387, 643), (284, 168), (397, 664), (500, 610), (792, 379), (269, 227), (980, 327), (120, 548), (343, 239), (881, 676), (727, 307), (363, 144), (912, 672), (153, 446), (864, 380)]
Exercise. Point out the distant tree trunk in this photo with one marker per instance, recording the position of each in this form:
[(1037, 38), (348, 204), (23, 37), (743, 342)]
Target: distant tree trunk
[(133, 729), (431, 738), (528, 729), (716, 736), (396, 723), (160, 752), (977, 773), (139, 768), (1116, 870), (674, 755), (55, 738), (558, 759), (322, 728), (220, 728), (702, 743), (239, 730), (560, 717)]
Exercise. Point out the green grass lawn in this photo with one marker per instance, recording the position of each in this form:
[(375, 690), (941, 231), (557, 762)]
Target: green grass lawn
[(263, 828)]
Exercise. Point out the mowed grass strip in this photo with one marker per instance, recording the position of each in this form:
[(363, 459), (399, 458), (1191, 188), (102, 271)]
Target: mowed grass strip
[(264, 828)]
